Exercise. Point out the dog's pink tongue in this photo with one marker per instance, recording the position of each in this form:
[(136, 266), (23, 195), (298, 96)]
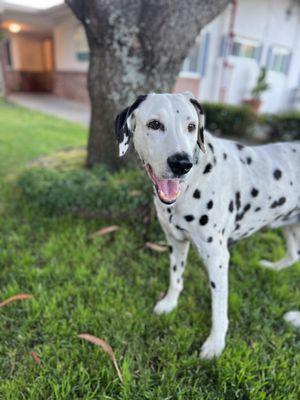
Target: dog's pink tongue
[(169, 188)]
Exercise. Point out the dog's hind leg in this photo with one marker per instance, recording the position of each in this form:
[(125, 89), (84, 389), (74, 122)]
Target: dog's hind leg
[(178, 255), (292, 237)]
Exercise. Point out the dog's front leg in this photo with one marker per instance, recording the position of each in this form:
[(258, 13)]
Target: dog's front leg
[(178, 255), (216, 262)]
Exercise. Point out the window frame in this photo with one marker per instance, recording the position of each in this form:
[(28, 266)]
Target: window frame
[(246, 41), (284, 63)]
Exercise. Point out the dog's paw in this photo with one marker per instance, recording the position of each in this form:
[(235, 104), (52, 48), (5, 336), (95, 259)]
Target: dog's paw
[(165, 306), (212, 348)]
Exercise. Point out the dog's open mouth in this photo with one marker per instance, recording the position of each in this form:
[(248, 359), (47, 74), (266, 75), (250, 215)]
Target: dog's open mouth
[(168, 190)]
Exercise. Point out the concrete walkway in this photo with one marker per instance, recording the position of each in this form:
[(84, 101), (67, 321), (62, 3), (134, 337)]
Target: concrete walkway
[(69, 110)]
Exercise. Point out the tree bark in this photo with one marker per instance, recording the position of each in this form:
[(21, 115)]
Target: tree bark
[(136, 47)]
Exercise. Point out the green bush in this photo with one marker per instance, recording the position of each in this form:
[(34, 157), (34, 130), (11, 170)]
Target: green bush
[(95, 192), (228, 120), (285, 126)]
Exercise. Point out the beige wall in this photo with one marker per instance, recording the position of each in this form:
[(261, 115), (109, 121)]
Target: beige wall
[(65, 46)]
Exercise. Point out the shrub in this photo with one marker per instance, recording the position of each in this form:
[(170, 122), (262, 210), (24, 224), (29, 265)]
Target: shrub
[(228, 120), (95, 192), (285, 126)]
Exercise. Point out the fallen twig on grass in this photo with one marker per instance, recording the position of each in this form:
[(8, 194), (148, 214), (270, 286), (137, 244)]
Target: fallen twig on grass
[(14, 298), (105, 347), (156, 247), (35, 358), (104, 231)]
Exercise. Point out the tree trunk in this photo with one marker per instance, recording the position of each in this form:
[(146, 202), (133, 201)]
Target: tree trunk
[(136, 47)]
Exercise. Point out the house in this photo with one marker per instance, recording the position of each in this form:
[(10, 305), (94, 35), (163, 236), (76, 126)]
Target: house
[(46, 51)]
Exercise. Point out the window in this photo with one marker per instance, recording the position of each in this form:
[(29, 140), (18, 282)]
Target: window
[(243, 47), (279, 59), (195, 63), (81, 44)]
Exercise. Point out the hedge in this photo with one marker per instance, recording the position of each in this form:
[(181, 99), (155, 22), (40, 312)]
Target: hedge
[(285, 126), (95, 193), (229, 120)]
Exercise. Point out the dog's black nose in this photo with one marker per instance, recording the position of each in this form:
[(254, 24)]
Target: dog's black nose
[(179, 163)]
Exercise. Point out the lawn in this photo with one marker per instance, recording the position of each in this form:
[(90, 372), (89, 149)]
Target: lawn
[(108, 287)]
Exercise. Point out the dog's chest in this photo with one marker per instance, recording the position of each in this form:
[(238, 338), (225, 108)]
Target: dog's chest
[(189, 216)]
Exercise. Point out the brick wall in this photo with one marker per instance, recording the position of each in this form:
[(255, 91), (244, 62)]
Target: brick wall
[(24, 81), (71, 85)]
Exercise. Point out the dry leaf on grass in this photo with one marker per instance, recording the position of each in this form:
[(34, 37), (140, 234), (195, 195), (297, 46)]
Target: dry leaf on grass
[(14, 298), (156, 247), (105, 347), (35, 358), (104, 231), (135, 193)]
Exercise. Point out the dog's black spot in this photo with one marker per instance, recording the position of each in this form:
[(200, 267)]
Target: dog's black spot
[(242, 214), (203, 220), (174, 268), (197, 194), (247, 207), (189, 218), (231, 206), (240, 146), (238, 200), (170, 249), (169, 210), (278, 203), (239, 216), (210, 204), (242, 161), (237, 227), (210, 239), (294, 150), (215, 225), (277, 174), (179, 228), (211, 147), (254, 192), (178, 280), (215, 160), (220, 266), (213, 285), (223, 231), (207, 169), (177, 111), (182, 264), (249, 160), (291, 183), (225, 156), (170, 218)]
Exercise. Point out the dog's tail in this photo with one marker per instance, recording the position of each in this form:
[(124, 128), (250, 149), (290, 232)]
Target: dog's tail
[(293, 317)]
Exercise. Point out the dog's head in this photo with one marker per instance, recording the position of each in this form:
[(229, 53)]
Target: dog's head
[(167, 131)]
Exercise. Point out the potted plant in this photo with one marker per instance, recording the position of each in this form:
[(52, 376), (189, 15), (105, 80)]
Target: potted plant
[(261, 86)]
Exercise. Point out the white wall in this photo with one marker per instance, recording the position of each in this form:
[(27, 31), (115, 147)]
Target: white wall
[(267, 22), (65, 46)]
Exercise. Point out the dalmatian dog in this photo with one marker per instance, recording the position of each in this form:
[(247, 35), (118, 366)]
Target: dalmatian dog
[(211, 192)]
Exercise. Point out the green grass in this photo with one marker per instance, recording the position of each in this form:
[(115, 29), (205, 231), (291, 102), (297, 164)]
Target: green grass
[(108, 287)]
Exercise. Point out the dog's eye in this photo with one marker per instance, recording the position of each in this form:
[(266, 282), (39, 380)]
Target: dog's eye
[(156, 125), (191, 127)]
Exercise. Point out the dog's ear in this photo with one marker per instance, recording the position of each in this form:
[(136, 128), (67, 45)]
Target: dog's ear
[(123, 125), (201, 119)]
